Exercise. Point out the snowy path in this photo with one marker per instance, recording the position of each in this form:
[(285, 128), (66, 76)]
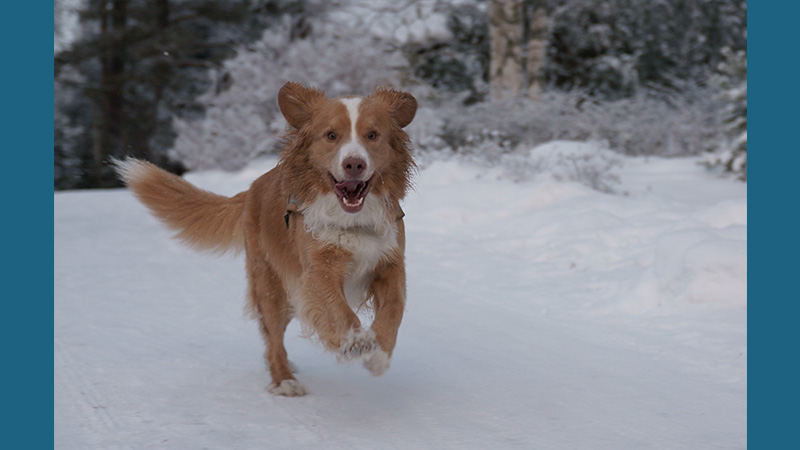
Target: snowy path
[(540, 315)]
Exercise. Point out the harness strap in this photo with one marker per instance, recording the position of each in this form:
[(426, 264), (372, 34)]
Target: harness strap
[(291, 206)]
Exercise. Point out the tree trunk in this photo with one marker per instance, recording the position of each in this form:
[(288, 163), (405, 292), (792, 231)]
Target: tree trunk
[(160, 77), (505, 35), (535, 54), (518, 34), (109, 133)]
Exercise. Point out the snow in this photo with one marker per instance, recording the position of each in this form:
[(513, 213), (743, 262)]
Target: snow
[(418, 21), (541, 314)]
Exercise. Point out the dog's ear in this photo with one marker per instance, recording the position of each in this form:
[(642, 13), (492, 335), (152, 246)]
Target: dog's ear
[(296, 102), (403, 106)]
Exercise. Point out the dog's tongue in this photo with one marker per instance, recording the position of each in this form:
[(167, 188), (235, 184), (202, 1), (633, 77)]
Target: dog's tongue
[(350, 189), (351, 194)]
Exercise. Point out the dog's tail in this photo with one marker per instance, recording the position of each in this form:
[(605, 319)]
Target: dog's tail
[(204, 220)]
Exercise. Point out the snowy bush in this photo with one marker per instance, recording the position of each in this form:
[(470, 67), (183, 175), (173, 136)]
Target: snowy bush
[(501, 133), (652, 125), (639, 125), (578, 162)]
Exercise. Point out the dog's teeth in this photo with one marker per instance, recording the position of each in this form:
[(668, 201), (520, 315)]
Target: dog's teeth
[(356, 203)]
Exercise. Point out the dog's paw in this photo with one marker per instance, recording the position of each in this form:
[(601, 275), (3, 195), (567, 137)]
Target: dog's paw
[(377, 363), (287, 388), (357, 344)]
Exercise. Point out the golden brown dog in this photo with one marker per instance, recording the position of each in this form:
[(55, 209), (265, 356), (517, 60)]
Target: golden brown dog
[(323, 231)]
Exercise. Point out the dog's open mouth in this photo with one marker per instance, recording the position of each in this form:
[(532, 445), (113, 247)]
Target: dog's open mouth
[(351, 193)]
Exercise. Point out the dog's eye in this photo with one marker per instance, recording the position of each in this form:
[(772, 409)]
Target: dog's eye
[(331, 136), (372, 136)]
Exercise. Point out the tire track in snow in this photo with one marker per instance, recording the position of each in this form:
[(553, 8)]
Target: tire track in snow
[(78, 397)]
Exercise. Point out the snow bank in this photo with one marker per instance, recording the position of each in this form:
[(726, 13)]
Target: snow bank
[(658, 244), (691, 268)]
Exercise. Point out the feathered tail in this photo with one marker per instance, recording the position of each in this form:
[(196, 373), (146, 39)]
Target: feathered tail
[(204, 220)]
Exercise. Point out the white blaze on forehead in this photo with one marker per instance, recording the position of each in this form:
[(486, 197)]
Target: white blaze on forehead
[(352, 110), (353, 146)]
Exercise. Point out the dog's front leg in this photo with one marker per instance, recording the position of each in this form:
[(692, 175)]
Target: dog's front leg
[(389, 293), (325, 306)]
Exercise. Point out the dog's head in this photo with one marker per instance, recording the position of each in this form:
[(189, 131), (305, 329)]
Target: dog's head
[(350, 146)]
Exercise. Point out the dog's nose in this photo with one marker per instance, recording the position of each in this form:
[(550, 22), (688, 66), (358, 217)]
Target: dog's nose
[(354, 167)]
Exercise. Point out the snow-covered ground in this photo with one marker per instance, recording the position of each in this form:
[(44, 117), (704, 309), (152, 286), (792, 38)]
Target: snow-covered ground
[(541, 314)]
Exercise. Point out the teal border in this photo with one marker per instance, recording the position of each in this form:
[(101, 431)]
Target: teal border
[(27, 221), (773, 168)]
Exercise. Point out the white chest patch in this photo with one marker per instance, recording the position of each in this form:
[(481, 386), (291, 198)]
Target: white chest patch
[(370, 235), (367, 249)]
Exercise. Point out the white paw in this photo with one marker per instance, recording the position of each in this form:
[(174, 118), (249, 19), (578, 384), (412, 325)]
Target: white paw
[(377, 363), (357, 344), (288, 388)]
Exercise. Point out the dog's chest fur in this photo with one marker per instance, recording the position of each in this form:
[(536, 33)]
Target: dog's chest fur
[(368, 249), (369, 235)]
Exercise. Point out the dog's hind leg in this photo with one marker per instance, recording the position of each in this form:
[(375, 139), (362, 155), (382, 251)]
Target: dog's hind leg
[(269, 305)]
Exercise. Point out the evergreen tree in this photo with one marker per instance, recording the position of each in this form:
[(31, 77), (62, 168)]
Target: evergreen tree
[(732, 153), (611, 49), (137, 64)]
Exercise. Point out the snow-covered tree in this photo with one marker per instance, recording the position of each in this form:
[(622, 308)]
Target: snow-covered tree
[(454, 61), (613, 48), (732, 153), (337, 52)]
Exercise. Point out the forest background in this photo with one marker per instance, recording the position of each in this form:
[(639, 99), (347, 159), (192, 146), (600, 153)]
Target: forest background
[(191, 84)]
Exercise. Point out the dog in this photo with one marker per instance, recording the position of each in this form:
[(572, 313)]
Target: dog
[(323, 231)]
